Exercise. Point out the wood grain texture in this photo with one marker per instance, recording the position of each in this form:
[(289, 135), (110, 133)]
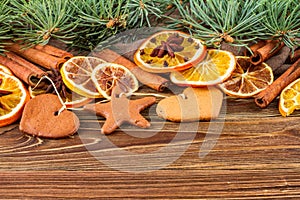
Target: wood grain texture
[(257, 156)]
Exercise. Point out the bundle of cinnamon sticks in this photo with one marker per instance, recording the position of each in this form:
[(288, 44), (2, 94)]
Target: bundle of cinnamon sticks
[(284, 63), (28, 63), (264, 98)]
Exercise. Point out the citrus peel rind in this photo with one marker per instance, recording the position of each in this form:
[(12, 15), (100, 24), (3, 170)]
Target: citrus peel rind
[(5, 70)]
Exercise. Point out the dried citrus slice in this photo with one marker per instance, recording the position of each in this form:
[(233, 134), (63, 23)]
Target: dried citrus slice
[(167, 51), (5, 70), (13, 96), (216, 67), (290, 98), (105, 76), (76, 74), (72, 99), (247, 79)]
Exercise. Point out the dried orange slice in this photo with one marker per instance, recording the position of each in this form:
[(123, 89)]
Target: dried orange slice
[(290, 98), (76, 74), (167, 51), (216, 67), (13, 96), (105, 76), (72, 99), (247, 79), (5, 70)]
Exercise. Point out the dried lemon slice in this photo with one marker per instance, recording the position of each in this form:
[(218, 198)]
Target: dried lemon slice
[(105, 77), (13, 96), (247, 79), (215, 68), (167, 51), (76, 74), (290, 98)]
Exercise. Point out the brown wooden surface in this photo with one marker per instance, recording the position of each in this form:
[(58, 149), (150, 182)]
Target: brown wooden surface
[(256, 156)]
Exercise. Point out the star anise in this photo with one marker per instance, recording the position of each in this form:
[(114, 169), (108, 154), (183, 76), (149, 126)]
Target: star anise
[(55, 76), (172, 45)]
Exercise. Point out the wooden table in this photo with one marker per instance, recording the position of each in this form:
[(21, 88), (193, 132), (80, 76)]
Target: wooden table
[(256, 155)]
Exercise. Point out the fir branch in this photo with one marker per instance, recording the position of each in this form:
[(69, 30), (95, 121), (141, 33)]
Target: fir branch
[(102, 19), (38, 21), (5, 18), (143, 12), (98, 20), (282, 21), (215, 21)]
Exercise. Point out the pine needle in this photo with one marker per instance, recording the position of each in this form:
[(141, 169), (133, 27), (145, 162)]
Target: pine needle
[(4, 23), (101, 19), (216, 21), (36, 22), (282, 21)]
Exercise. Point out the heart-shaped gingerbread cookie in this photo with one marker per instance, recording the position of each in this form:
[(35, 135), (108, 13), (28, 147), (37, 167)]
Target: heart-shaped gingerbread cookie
[(40, 117), (192, 105)]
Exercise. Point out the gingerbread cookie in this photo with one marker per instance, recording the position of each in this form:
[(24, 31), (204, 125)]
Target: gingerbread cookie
[(192, 105), (41, 118), (121, 110)]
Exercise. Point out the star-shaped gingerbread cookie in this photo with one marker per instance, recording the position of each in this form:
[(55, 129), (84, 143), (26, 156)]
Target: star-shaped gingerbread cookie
[(121, 110)]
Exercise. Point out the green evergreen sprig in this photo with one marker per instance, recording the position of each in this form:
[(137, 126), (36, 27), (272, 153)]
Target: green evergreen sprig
[(145, 12), (4, 23), (214, 21), (98, 20), (282, 21), (101, 19), (37, 21)]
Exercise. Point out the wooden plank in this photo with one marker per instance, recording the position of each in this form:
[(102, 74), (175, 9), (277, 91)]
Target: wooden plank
[(256, 156)]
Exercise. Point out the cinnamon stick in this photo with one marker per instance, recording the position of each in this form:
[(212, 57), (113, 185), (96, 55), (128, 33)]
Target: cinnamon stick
[(255, 47), (280, 70), (264, 98), (51, 50), (263, 53), (279, 59), (153, 81), (237, 51), (36, 56), (21, 68), (295, 56)]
